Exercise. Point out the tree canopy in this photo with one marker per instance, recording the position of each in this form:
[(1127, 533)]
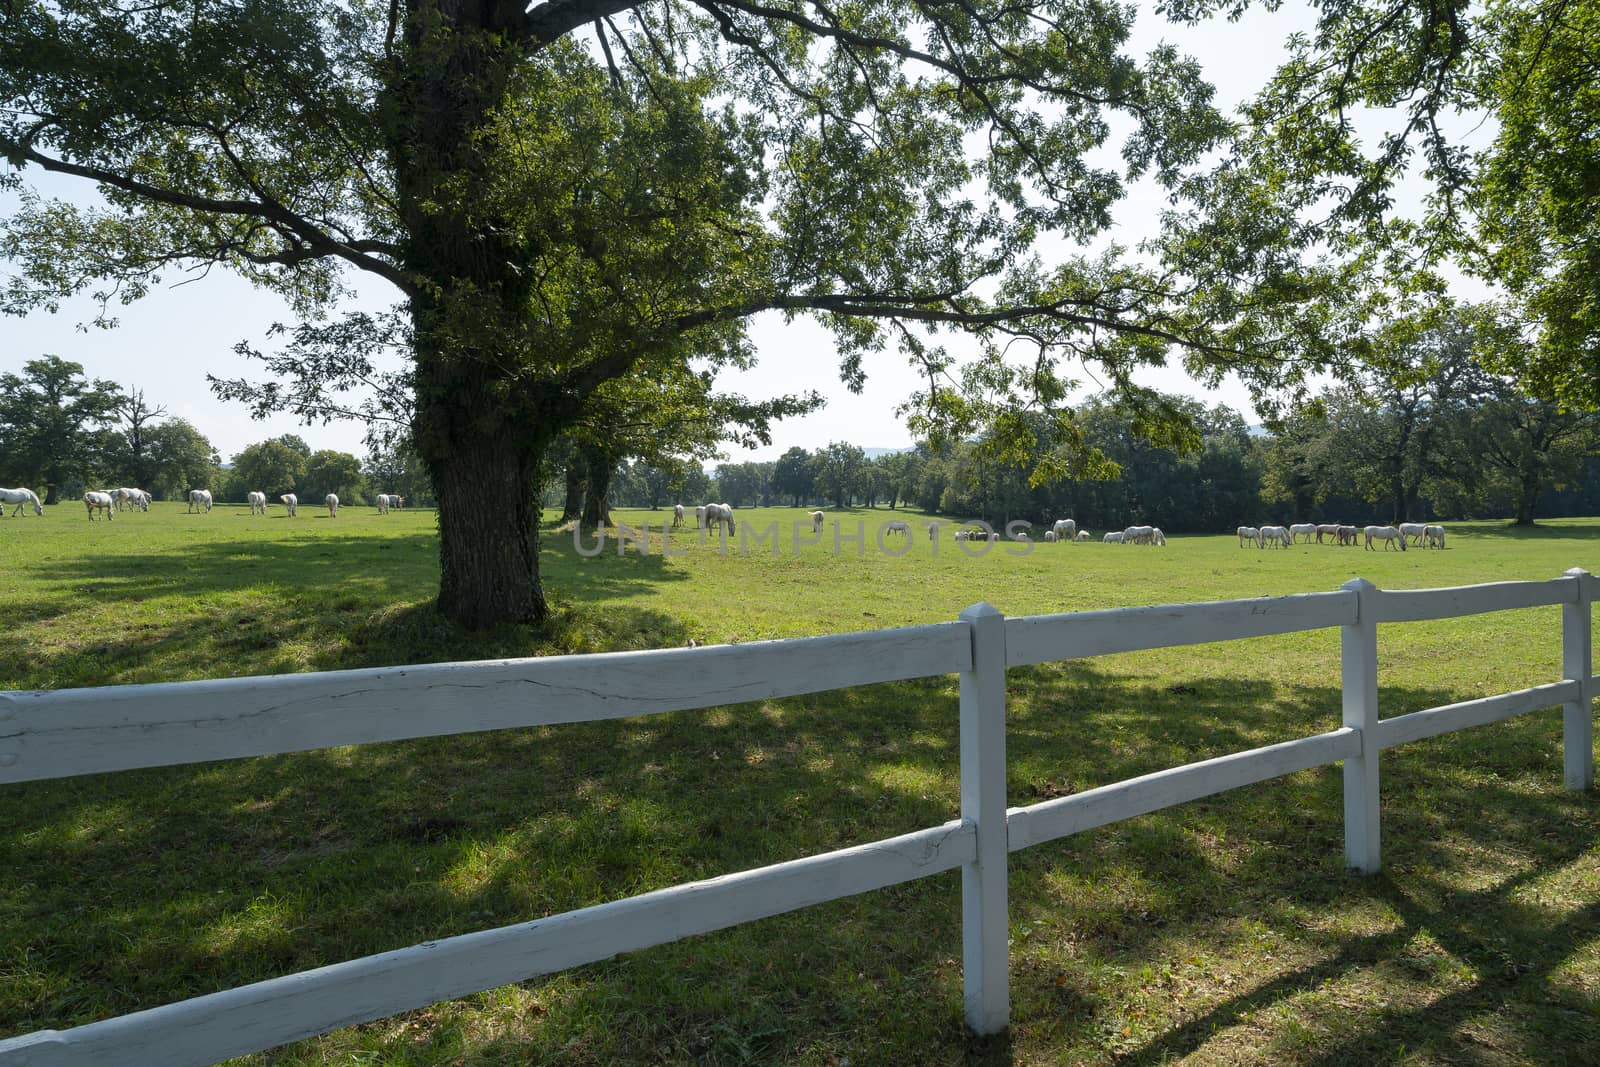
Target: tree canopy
[(50, 419)]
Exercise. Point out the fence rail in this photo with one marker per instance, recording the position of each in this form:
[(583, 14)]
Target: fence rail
[(63, 733)]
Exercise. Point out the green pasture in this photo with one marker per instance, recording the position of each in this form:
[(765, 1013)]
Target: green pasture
[(1224, 931)]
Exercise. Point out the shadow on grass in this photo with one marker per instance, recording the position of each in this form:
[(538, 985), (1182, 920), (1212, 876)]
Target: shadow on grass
[(1543, 529), (132, 890), (236, 607)]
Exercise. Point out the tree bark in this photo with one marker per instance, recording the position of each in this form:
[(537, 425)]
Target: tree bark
[(479, 426), (572, 506), (1527, 499), (597, 490), (488, 536)]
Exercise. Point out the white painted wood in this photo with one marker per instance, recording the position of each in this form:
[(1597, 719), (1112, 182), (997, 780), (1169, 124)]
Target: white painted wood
[(1577, 714), (1080, 634), (1358, 657), (1419, 725), (1107, 804), (55, 734), (1413, 605), (985, 928), (265, 1014)]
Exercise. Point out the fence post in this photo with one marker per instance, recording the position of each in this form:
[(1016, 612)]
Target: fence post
[(1358, 649), (985, 926), (1577, 716)]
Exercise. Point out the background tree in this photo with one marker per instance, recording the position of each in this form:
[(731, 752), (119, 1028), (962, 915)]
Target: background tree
[(1530, 446), (136, 417), (330, 471), (181, 459), (838, 471), (50, 416), (274, 467), (674, 416), (793, 475), (554, 218)]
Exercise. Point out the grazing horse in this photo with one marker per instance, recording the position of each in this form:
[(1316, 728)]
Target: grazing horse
[(332, 500), (94, 502), (21, 498), (1387, 534), (258, 502), (291, 502), (677, 516), (199, 498), (1250, 534)]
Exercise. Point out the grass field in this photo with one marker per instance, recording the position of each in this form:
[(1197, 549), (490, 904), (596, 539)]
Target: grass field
[(1225, 931)]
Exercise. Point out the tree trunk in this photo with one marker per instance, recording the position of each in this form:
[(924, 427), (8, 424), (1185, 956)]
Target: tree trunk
[(488, 553), (572, 507), (597, 506), (1527, 500), (597, 490)]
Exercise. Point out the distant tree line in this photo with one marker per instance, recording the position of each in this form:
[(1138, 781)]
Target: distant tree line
[(62, 433), (1422, 431)]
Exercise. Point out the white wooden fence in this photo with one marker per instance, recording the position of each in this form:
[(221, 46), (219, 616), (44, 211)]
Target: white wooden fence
[(62, 733)]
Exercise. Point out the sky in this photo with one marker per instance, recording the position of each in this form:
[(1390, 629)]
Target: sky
[(169, 341)]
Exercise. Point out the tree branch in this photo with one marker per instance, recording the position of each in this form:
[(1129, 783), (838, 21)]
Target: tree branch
[(362, 254)]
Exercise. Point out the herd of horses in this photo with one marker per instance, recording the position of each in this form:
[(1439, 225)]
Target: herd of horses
[(200, 500), (1387, 536)]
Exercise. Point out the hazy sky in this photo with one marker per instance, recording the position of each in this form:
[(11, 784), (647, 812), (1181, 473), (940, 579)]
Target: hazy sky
[(169, 341)]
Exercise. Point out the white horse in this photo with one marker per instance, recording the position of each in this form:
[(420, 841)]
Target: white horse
[(1250, 534), (99, 502), (332, 500), (1065, 530), (1387, 534), (1277, 535), (1083, 535), (1113, 538), (1413, 531), (816, 521), (897, 527), (1309, 529), (199, 498), (1433, 537), (291, 502), (677, 516), (383, 503), (21, 498), (1050, 537), (720, 515), (258, 502)]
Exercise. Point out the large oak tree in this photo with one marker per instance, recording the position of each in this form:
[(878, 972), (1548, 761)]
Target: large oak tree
[(577, 192)]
